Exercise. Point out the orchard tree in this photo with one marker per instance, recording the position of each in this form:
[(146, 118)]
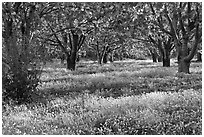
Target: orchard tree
[(146, 30), (67, 28), (182, 22)]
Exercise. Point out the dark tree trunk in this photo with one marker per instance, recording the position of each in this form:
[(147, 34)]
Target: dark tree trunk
[(183, 66), (71, 60), (166, 58), (183, 63), (166, 62), (71, 63)]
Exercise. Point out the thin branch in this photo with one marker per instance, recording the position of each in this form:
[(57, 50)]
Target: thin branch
[(159, 20), (173, 29), (47, 39), (66, 28), (60, 43)]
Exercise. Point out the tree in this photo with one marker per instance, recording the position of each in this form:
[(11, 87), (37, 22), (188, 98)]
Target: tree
[(182, 22), (71, 28)]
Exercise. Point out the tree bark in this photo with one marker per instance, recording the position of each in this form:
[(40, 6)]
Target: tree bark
[(71, 59), (183, 62), (166, 57), (183, 66)]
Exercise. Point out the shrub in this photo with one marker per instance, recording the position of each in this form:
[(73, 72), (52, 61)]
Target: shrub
[(19, 85)]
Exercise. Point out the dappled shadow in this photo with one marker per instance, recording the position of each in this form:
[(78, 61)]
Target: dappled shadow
[(116, 88), (125, 88)]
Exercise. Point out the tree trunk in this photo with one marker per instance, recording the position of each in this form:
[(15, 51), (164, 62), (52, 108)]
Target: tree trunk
[(166, 62), (71, 63), (71, 59), (166, 58), (183, 66), (183, 63)]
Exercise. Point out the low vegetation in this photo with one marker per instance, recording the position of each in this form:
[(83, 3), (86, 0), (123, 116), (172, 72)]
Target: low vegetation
[(125, 97)]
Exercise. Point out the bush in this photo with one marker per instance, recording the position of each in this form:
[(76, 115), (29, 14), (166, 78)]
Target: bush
[(18, 86)]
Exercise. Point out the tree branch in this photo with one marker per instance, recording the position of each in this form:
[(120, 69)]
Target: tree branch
[(173, 28), (197, 38), (81, 41), (60, 43)]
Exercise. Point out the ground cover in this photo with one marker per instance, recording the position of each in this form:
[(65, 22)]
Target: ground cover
[(125, 97)]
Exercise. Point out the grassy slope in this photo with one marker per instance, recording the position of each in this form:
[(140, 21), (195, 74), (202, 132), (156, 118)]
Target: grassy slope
[(120, 98)]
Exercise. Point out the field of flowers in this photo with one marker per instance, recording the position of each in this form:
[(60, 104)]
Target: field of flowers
[(122, 98)]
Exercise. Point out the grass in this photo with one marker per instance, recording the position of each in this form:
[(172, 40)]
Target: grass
[(120, 98)]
